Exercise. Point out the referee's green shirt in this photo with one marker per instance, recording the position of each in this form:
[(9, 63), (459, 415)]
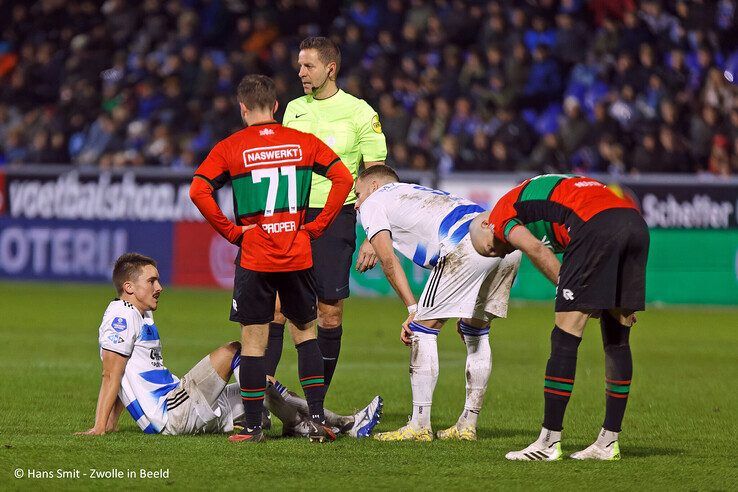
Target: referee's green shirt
[(348, 125)]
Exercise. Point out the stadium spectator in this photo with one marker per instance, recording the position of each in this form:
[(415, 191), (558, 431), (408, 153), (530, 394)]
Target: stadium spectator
[(646, 156), (574, 126), (674, 156), (645, 63), (475, 157), (719, 161), (503, 158)]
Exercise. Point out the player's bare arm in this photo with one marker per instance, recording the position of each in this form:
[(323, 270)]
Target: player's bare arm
[(382, 243), (201, 193), (542, 257), (113, 367), (112, 425), (367, 258)]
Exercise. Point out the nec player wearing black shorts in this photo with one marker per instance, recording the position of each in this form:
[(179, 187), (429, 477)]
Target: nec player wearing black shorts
[(270, 168), (603, 274)]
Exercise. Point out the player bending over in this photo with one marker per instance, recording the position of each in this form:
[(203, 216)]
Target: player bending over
[(431, 228), (603, 274), (135, 377)]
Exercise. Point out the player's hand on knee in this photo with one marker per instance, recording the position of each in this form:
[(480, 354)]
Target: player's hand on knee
[(367, 258)]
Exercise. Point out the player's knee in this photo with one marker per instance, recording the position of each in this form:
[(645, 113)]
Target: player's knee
[(330, 315), (614, 333), (253, 347), (302, 335), (572, 322)]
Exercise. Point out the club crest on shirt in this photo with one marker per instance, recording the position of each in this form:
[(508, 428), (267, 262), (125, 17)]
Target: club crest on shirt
[(266, 131), (376, 125), (119, 324)]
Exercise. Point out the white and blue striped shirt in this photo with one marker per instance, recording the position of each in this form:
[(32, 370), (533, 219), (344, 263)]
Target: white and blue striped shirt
[(146, 380), (425, 224)]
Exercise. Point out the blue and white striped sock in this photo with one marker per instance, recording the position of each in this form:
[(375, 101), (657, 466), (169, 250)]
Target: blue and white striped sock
[(235, 363), (282, 389)]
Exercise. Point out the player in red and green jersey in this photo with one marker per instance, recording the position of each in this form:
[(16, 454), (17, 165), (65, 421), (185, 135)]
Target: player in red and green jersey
[(270, 169), (604, 241)]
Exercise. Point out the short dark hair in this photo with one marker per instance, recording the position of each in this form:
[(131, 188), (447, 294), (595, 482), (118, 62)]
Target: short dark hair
[(257, 92), (380, 171), (128, 267), (328, 51)]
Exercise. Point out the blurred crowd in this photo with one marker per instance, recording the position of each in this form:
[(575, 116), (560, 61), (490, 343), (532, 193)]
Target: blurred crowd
[(617, 86)]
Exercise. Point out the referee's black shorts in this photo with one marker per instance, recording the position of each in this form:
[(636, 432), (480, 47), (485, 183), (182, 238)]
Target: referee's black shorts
[(333, 253), (604, 266), (255, 293)]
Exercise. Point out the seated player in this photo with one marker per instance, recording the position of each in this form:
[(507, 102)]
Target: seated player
[(135, 377), (431, 228)]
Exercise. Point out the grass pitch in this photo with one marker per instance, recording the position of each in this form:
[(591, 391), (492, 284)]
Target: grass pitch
[(680, 428)]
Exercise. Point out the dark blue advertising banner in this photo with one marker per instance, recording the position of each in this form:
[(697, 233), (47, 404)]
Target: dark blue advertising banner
[(54, 249)]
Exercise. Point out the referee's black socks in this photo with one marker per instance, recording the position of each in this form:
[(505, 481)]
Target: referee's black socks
[(310, 368), (559, 382), (329, 340), (618, 370), (274, 348)]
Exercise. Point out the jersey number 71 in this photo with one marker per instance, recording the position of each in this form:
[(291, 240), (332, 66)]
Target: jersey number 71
[(272, 174)]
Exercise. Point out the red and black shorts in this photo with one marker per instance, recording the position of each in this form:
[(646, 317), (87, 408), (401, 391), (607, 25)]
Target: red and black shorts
[(255, 294), (333, 253), (604, 265)]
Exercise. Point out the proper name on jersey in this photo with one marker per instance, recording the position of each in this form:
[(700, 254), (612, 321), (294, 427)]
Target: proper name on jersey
[(146, 380), (425, 224)]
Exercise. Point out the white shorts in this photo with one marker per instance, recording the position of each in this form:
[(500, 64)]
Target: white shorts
[(465, 284), (203, 403)]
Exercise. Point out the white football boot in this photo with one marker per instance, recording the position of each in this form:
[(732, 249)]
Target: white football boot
[(605, 448), (546, 448)]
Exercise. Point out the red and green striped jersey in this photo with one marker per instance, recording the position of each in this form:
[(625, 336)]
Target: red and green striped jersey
[(552, 207), (270, 169)]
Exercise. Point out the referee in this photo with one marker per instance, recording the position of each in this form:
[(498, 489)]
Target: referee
[(351, 128)]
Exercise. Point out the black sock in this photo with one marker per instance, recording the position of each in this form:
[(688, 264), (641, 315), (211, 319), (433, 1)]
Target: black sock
[(559, 382), (310, 368), (618, 370), (329, 341), (253, 385), (274, 347)]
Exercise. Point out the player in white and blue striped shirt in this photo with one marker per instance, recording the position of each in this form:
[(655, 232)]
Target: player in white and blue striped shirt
[(135, 377), (431, 227)]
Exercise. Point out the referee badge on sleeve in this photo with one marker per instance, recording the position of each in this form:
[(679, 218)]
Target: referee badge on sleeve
[(376, 125)]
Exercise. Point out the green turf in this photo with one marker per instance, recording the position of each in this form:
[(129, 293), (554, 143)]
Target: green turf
[(680, 429)]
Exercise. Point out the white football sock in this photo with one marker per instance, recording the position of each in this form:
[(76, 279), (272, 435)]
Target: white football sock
[(478, 369), (423, 374), (606, 437), (548, 437)]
